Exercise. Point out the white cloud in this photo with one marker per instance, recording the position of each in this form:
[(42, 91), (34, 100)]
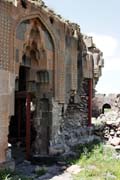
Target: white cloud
[(112, 64), (108, 82)]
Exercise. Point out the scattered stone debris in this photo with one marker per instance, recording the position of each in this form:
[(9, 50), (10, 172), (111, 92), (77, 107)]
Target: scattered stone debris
[(107, 126), (74, 169)]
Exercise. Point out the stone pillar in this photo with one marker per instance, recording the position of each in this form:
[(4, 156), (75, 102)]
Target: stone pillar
[(56, 140), (74, 65), (42, 125)]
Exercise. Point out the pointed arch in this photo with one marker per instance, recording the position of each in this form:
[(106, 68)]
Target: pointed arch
[(30, 16)]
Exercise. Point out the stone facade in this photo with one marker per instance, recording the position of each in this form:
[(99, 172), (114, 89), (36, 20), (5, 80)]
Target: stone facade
[(48, 57)]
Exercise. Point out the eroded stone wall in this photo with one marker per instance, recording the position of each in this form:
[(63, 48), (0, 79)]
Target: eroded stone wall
[(70, 126)]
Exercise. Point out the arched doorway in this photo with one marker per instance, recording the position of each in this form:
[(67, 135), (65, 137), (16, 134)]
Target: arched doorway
[(20, 124), (34, 46), (106, 107)]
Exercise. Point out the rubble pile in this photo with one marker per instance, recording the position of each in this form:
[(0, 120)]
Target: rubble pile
[(107, 126)]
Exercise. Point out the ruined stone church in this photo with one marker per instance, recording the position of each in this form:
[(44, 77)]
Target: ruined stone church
[(48, 73)]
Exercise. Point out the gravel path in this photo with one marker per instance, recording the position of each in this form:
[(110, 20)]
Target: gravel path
[(54, 172)]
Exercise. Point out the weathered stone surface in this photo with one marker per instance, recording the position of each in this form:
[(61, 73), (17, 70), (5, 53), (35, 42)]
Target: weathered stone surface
[(74, 169), (107, 126), (42, 54), (115, 141)]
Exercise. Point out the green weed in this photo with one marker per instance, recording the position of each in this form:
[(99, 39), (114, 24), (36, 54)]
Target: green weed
[(98, 164)]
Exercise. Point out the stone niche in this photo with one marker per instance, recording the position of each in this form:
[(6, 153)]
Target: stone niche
[(31, 36)]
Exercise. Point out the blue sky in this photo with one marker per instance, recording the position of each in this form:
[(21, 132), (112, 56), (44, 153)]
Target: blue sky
[(99, 18)]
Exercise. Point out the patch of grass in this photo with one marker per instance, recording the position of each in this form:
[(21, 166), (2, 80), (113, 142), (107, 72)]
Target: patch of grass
[(98, 164), (41, 171), (7, 174), (81, 149)]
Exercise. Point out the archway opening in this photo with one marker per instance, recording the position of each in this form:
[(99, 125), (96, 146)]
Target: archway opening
[(106, 107), (35, 78), (20, 125)]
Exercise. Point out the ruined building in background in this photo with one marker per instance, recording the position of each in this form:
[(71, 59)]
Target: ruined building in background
[(48, 73), (104, 102)]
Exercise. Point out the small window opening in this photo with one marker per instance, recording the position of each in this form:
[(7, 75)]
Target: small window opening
[(51, 20), (106, 107), (24, 3)]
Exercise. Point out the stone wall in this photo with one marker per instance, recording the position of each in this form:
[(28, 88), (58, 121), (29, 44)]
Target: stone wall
[(7, 77), (5, 36), (70, 126), (67, 123), (6, 109), (60, 54)]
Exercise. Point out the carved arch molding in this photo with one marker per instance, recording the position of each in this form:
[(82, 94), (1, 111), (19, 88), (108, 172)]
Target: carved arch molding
[(33, 43)]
